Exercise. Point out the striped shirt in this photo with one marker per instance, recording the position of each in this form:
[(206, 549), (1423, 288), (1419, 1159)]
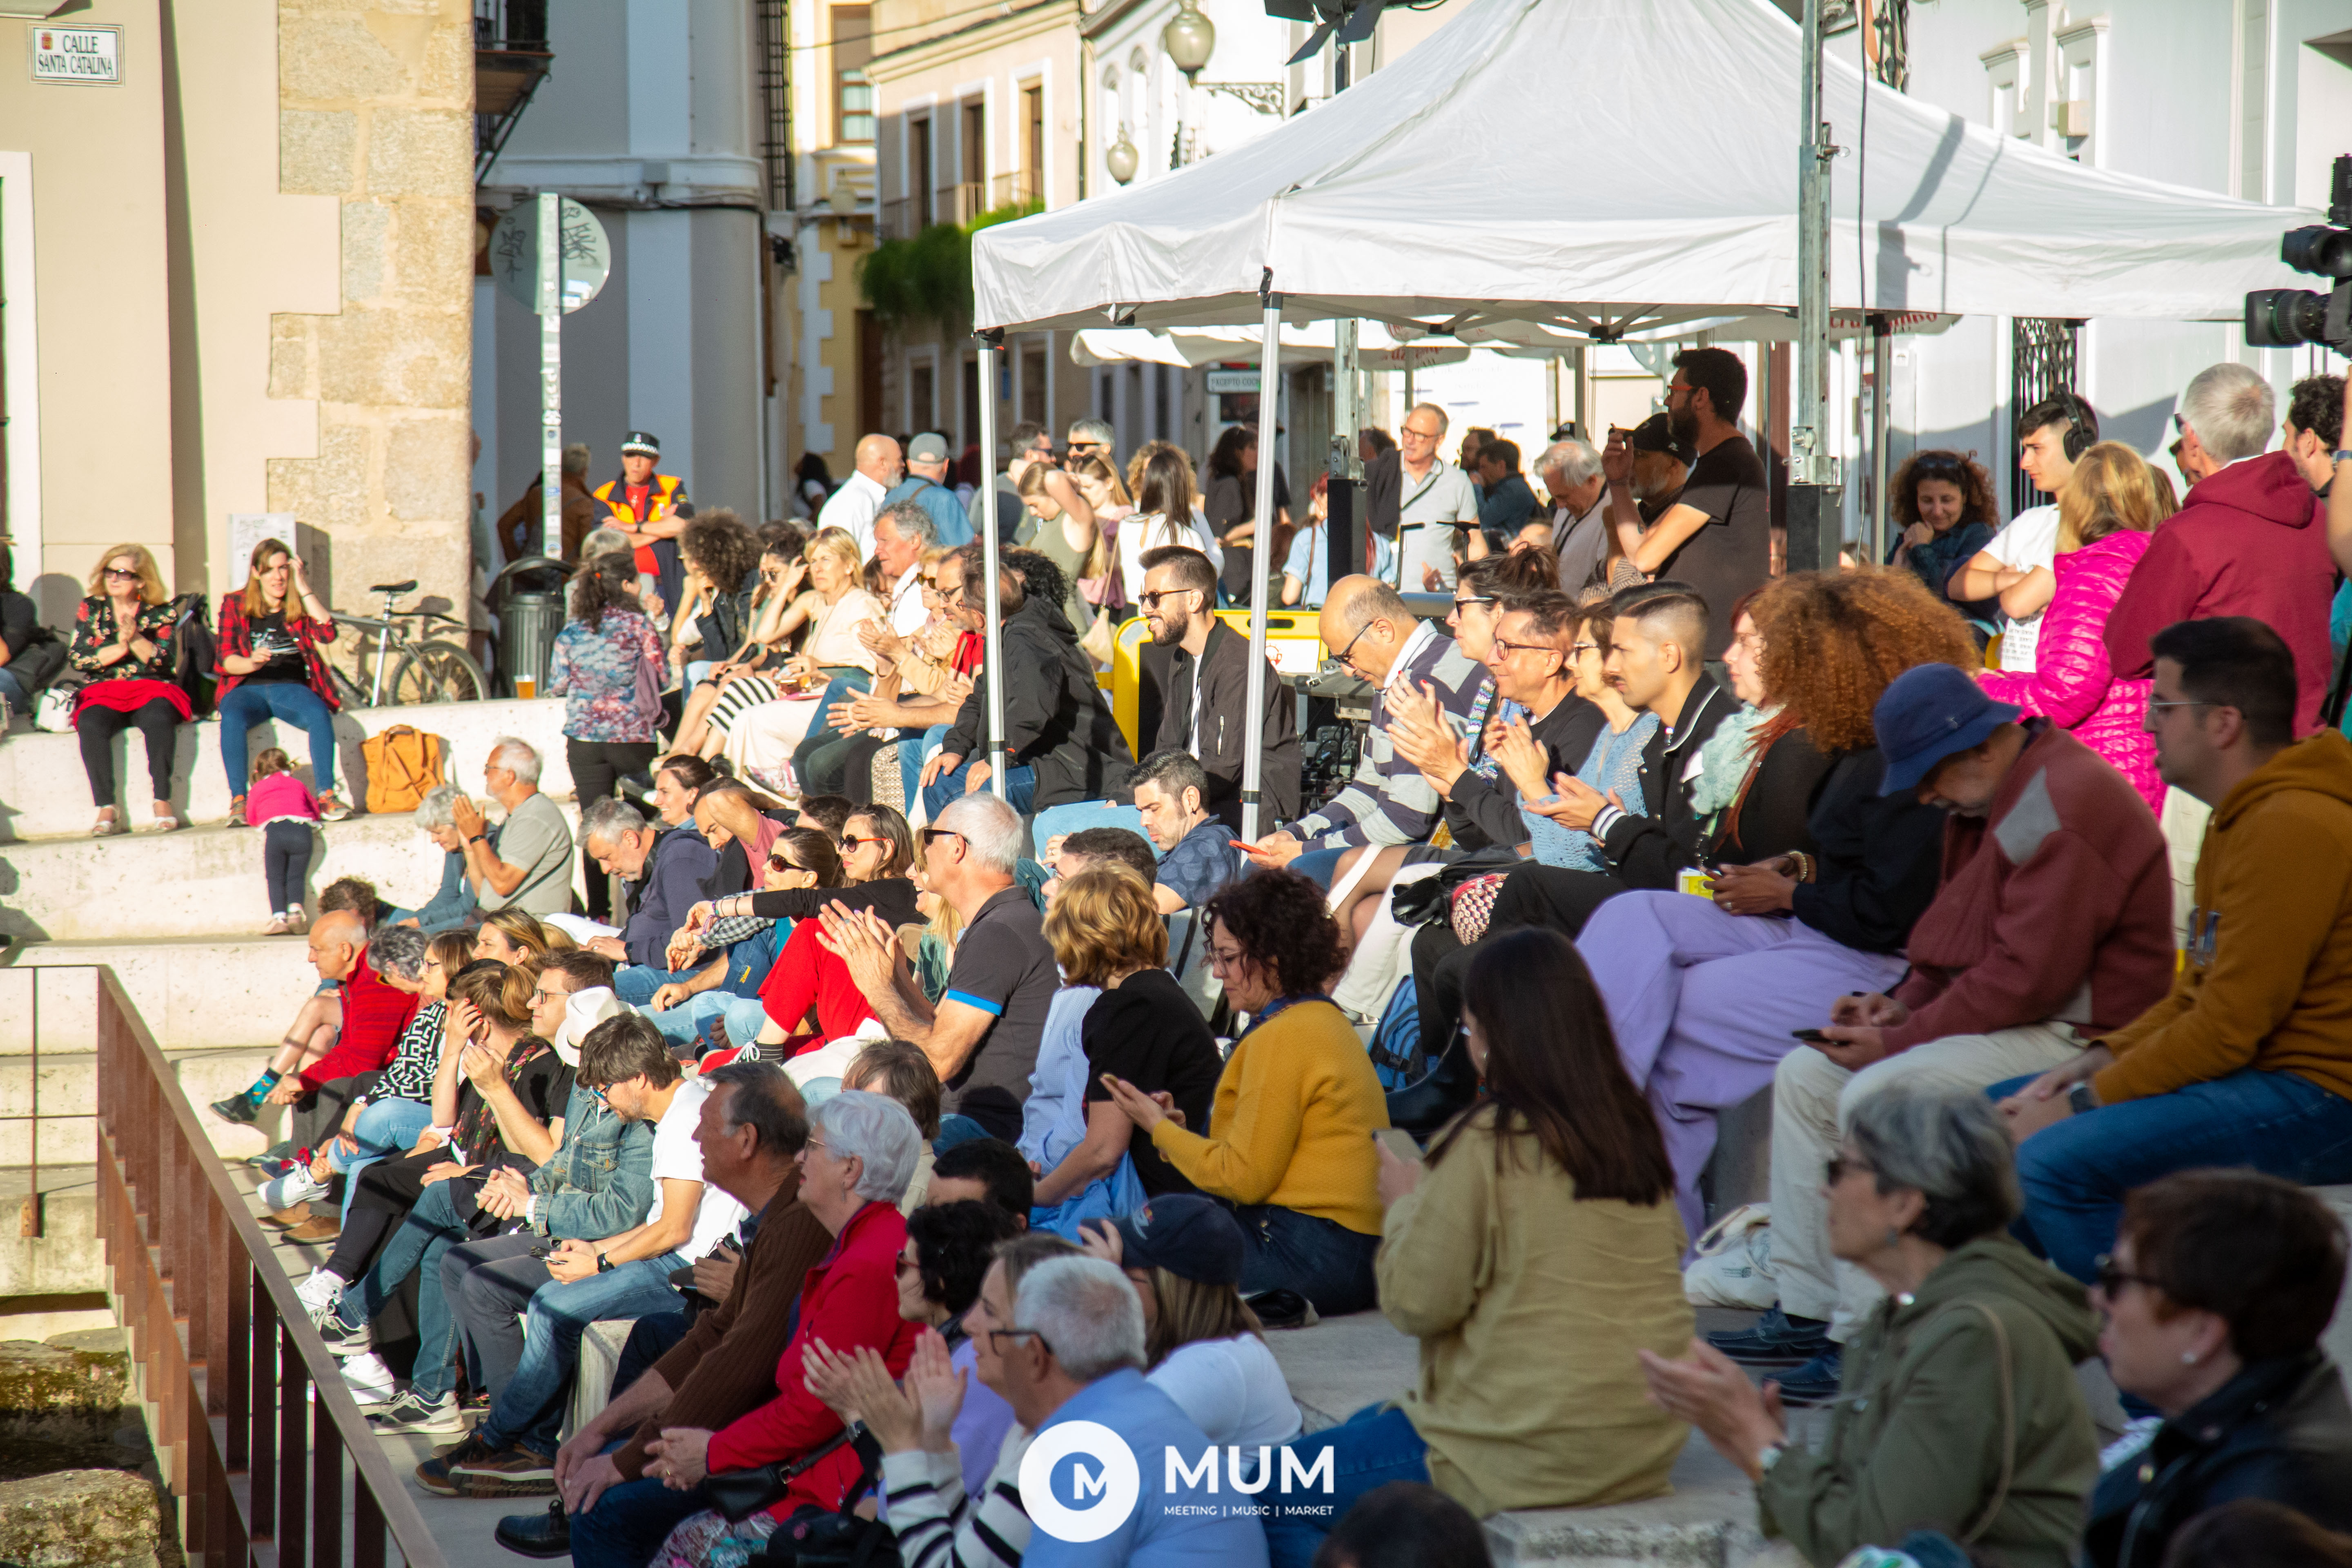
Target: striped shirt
[(415, 1059), (939, 1525), (1388, 801)]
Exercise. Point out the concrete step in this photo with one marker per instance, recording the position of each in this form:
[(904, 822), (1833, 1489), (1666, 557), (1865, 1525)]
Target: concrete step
[(200, 882), (44, 793), (65, 1259)]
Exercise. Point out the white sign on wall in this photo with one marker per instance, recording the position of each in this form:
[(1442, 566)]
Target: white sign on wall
[(247, 528), (85, 56)]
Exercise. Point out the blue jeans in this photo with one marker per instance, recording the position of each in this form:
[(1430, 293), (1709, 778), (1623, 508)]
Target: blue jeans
[(839, 689), (910, 760), (1375, 1445), (385, 1126), (630, 1523), (1319, 866), (2076, 1172), (688, 1024), (636, 982), (1321, 1259), (13, 690), (531, 1408), (431, 1229), (652, 1338), (249, 704), (1020, 787)]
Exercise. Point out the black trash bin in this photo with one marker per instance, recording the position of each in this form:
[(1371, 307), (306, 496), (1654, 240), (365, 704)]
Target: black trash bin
[(527, 601)]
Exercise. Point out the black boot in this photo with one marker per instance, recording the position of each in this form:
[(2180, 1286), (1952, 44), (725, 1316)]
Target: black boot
[(545, 1534)]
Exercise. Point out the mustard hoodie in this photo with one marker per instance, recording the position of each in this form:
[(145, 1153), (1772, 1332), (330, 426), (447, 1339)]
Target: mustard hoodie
[(2267, 982)]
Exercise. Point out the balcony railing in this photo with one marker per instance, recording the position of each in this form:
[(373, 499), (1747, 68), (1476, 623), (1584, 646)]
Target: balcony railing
[(1019, 189), (258, 1432)]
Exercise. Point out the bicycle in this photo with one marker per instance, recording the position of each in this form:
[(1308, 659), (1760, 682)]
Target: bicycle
[(430, 670)]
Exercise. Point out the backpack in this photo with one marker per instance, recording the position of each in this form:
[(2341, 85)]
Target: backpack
[(403, 765)]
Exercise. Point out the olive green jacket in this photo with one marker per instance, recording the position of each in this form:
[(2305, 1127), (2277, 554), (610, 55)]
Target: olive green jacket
[(1932, 1410)]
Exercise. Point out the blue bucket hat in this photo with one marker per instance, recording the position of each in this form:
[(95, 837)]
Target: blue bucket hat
[(1929, 713)]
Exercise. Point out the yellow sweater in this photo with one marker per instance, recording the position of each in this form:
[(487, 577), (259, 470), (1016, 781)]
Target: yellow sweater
[(1529, 1306), (1293, 1121)]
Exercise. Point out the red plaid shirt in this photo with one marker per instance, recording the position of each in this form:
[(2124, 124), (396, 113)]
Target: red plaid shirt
[(237, 637)]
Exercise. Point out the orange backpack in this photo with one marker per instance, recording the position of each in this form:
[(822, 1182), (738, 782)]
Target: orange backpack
[(403, 765)]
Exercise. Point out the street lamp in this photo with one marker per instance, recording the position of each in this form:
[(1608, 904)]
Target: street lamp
[(1189, 38), (1121, 158)]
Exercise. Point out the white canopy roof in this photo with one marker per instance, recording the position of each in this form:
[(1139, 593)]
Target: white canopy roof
[(1309, 344), (1550, 159)]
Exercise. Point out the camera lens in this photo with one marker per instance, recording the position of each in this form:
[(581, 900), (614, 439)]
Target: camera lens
[(2318, 249), (2282, 318)]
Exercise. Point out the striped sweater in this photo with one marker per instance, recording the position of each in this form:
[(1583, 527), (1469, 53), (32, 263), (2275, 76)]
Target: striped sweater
[(1388, 801), (939, 1524)]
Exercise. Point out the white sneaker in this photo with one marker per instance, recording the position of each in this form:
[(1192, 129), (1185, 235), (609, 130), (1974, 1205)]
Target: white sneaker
[(370, 1380), (281, 1193), (321, 1293), (411, 1413)]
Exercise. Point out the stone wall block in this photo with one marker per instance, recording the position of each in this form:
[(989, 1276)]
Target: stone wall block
[(332, 58), (445, 71), (425, 468), (402, 359), (293, 355), (367, 227), (317, 151), (80, 1519), (419, 152), (432, 252), (330, 491)]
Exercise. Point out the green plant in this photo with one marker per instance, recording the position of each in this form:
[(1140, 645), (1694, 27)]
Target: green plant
[(906, 282)]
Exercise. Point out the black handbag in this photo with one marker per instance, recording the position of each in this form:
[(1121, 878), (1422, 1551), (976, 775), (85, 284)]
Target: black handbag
[(839, 1539), (739, 1494)]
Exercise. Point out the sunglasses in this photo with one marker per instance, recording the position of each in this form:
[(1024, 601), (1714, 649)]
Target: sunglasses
[(115, 574), (1152, 601), (1836, 1171), (928, 833), (2111, 1276), (778, 863), (852, 841)]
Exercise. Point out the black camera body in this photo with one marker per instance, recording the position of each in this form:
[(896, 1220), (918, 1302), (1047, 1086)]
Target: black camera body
[(2283, 318)]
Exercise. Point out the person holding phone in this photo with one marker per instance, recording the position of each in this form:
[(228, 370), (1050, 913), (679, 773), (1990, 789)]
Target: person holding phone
[(1535, 1252), (270, 668)]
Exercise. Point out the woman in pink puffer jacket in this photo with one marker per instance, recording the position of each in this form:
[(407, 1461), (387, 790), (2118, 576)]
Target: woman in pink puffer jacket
[(2107, 514)]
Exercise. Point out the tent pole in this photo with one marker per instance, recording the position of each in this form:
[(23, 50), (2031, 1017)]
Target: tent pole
[(1815, 527), (1880, 361), (988, 341), (1269, 411)]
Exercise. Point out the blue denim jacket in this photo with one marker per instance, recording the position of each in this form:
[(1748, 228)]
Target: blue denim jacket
[(600, 1181), (450, 907)]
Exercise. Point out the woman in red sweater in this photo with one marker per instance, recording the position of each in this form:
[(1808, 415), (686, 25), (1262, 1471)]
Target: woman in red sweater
[(860, 1154)]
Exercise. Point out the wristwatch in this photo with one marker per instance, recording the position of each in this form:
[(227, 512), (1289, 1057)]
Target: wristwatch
[(604, 1263), (2340, 455), (2080, 1099)]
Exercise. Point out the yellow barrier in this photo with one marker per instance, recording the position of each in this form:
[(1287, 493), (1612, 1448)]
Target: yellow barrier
[(1289, 638)]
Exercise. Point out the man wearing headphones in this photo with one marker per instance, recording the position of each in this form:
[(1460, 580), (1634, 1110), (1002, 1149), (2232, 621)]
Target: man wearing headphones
[(2015, 566)]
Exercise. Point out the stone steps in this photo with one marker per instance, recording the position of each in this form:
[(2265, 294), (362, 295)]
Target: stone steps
[(203, 882), (195, 993), (43, 793)]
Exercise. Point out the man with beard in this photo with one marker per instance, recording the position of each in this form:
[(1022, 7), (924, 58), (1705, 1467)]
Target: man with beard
[(1718, 536), (1193, 693)]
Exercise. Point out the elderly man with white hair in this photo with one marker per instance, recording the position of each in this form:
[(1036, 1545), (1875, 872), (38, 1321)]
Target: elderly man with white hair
[(982, 1037), (526, 863), (2249, 539), (1570, 472), (1074, 1353), (861, 1153)]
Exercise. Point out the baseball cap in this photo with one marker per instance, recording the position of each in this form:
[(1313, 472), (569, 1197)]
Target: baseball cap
[(930, 447), (1929, 713), (1190, 1236), (637, 444), (1656, 433)]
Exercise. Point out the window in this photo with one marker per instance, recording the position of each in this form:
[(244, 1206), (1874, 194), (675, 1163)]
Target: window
[(852, 95), (1033, 141), (1033, 383), (922, 410), (855, 107), (918, 171)]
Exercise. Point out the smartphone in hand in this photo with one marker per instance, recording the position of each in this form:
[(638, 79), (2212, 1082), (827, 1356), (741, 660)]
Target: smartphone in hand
[(1814, 1038)]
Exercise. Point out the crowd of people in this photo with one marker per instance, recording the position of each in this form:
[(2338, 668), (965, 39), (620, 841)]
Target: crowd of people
[(905, 1119)]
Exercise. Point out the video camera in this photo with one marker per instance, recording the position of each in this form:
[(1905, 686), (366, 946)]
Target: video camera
[(2282, 318)]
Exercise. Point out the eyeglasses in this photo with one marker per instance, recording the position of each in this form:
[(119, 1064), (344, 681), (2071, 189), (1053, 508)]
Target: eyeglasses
[(541, 997), (1151, 601), (927, 834), (1472, 599), (903, 1265), (997, 1335), (1579, 649), (2155, 707), (1836, 1171), (2111, 1276), (601, 1096), (1507, 648), (778, 863), (1341, 656)]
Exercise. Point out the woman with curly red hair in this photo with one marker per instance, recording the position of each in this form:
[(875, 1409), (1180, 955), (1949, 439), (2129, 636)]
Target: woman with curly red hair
[(1703, 994), (1290, 1137)]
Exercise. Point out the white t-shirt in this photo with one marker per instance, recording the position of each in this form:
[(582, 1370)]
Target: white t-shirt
[(679, 1158), (2031, 539), (1143, 532), (1439, 502), (1233, 1389)]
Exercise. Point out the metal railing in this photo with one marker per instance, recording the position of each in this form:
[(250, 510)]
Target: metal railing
[(1021, 188), (256, 1433)]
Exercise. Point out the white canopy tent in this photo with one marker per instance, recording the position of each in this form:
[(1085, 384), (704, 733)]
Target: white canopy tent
[(1652, 183), (1311, 343)]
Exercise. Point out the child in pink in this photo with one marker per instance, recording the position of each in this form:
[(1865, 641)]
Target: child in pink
[(283, 808)]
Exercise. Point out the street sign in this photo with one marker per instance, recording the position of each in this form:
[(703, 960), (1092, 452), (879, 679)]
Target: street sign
[(586, 254), (1224, 380), (83, 57)]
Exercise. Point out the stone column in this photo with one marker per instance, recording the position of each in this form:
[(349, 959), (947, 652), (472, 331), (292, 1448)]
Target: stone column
[(375, 108)]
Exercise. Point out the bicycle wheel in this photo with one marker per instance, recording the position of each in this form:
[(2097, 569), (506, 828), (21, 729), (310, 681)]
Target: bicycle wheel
[(436, 671)]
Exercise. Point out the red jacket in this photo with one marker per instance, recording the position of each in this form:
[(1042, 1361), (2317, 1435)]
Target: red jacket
[(2056, 905), (237, 637), (848, 1299), (373, 1015), (2248, 541), (805, 972)]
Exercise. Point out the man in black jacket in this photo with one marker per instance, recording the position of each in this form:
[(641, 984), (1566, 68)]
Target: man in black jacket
[(1062, 743), (1192, 691)]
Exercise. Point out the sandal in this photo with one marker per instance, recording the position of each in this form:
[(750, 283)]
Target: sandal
[(109, 823), (164, 822)]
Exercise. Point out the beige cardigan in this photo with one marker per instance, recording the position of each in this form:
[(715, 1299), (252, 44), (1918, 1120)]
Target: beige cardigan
[(1529, 1306)]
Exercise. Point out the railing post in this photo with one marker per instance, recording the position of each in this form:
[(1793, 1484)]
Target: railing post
[(293, 1383), (261, 1458), (326, 1489)]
